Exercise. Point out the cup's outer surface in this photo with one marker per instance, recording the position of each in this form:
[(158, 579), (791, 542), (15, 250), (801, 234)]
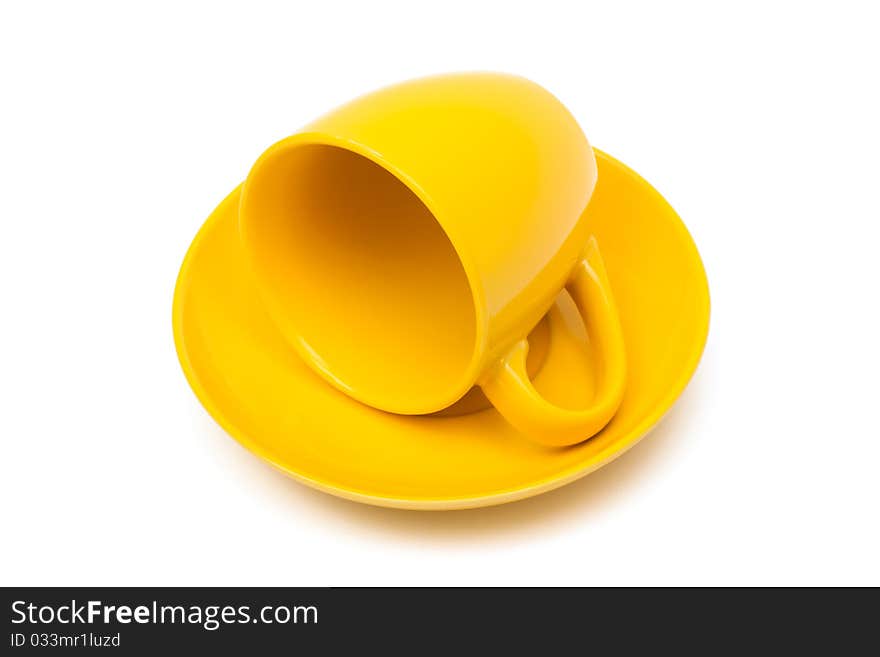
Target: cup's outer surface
[(507, 173)]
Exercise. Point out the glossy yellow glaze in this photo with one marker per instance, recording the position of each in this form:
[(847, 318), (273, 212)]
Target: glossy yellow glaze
[(260, 391), (407, 241)]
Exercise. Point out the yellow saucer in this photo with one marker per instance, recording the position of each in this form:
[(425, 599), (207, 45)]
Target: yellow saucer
[(258, 390)]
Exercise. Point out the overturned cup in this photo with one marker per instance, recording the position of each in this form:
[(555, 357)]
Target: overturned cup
[(407, 243)]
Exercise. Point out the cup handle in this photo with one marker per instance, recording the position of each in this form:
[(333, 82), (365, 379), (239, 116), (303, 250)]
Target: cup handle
[(508, 387)]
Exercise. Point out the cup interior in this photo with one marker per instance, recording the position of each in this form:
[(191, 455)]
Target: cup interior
[(357, 270)]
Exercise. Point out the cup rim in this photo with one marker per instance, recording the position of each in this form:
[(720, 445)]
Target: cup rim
[(470, 376)]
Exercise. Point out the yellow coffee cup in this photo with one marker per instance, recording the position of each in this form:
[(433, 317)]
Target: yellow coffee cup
[(407, 243)]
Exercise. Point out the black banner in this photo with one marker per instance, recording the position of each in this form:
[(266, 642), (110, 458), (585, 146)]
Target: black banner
[(413, 621)]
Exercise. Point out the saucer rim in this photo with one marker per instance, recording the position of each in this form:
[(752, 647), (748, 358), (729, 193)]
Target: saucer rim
[(447, 503)]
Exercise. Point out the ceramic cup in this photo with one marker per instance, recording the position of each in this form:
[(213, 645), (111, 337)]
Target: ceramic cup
[(406, 244)]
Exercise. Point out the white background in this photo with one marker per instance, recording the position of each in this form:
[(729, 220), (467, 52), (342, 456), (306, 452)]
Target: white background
[(121, 129)]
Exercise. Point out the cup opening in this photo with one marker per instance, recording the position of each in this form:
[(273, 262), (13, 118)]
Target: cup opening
[(356, 269)]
